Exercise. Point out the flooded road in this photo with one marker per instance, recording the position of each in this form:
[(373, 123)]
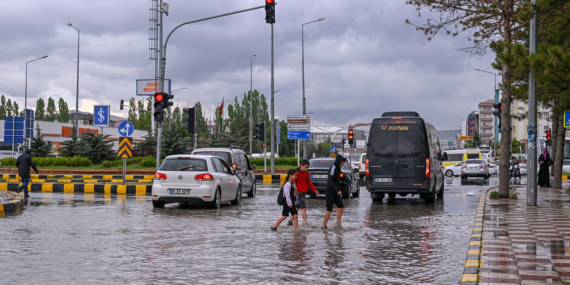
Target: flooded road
[(87, 239)]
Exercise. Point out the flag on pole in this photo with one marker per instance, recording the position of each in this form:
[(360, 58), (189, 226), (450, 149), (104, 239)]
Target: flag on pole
[(222, 107)]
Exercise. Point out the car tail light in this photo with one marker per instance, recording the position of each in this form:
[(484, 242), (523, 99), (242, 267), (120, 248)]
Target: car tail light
[(428, 170), (160, 176), (482, 166), (234, 166), (341, 175), (367, 172), (522, 166), (464, 166), (204, 177)]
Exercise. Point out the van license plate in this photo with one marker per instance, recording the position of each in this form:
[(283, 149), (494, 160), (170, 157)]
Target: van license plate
[(382, 180), (180, 191)]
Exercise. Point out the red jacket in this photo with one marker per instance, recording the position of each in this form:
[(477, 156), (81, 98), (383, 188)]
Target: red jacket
[(303, 182)]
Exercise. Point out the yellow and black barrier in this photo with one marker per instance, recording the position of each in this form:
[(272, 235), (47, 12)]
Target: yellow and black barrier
[(80, 188), (12, 206), (79, 176), (270, 178)]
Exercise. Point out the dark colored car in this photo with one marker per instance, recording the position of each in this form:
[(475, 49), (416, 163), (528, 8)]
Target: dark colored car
[(319, 169)]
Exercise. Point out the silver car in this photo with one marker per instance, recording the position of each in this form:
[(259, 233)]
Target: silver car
[(475, 168), (195, 179)]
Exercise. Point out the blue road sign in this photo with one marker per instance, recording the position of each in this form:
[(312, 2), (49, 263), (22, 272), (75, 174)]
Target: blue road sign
[(298, 135), (333, 149), (29, 123), (567, 119), (101, 115), (278, 134), (449, 143), (14, 130), (126, 129)]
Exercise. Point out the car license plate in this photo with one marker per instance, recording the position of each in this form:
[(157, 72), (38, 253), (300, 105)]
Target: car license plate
[(179, 191), (320, 176), (381, 180)]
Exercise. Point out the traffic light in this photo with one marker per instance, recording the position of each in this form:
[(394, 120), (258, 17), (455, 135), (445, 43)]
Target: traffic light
[(158, 107), (497, 112), (260, 132), (270, 11), (548, 138), (167, 98), (350, 136), (343, 142), (191, 119), (122, 103)]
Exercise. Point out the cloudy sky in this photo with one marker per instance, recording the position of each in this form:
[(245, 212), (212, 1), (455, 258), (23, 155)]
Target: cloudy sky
[(361, 61)]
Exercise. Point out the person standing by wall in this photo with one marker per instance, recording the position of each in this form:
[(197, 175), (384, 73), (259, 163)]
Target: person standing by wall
[(23, 164), (543, 175)]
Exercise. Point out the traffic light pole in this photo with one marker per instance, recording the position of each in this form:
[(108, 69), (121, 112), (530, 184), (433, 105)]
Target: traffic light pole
[(272, 108), (531, 184), (161, 87)]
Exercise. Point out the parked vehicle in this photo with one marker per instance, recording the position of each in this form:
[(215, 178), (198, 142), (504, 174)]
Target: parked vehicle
[(319, 169), (238, 160), (362, 170), (403, 157), (474, 168), (195, 179), (458, 155), (453, 170)]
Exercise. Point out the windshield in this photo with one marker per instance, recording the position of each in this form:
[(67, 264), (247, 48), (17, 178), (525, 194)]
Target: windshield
[(221, 154), (321, 163), (183, 164)]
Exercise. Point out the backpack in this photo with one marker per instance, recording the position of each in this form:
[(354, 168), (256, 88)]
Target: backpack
[(280, 198)]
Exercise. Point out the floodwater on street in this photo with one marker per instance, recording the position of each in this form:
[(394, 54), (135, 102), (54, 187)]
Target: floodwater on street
[(98, 239)]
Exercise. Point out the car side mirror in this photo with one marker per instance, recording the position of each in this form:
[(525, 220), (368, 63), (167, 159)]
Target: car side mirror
[(235, 172), (253, 167), (444, 157)]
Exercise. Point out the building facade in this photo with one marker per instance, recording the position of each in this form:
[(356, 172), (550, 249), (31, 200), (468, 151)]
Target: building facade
[(486, 124)]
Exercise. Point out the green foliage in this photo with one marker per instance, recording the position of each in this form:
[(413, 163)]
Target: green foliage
[(51, 112), (494, 195), (96, 147), (174, 142), (324, 149), (8, 161), (63, 115), (40, 112), (111, 163), (2, 107), (72, 147), (517, 146), (52, 161), (148, 161), (40, 146), (292, 161)]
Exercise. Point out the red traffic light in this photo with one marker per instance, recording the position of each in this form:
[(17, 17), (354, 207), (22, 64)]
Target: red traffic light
[(158, 97), (548, 133), (269, 1), (350, 132)]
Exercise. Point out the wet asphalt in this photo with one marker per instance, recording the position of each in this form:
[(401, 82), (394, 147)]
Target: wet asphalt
[(109, 239)]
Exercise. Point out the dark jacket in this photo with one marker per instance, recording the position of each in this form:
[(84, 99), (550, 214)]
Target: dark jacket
[(24, 163), (333, 181)]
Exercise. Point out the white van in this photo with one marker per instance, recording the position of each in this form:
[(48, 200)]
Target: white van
[(362, 169)]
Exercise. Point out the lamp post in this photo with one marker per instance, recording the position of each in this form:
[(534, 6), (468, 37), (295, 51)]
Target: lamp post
[(26, 96), (303, 71), (251, 106), (496, 128), (77, 85)]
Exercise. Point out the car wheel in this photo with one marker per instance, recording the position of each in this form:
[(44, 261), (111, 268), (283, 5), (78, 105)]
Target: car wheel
[(430, 197), (217, 200), (253, 190), (357, 193), (449, 173), (346, 193), (378, 197), (486, 176), (158, 204), (237, 200)]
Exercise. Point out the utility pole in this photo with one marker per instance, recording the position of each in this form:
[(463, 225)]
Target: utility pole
[(161, 64), (272, 108), (251, 106), (531, 187)]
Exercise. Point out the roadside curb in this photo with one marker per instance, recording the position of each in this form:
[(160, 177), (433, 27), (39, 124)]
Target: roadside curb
[(80, 188), (15, 205), (473, 262), (271, 178), (80, 176)]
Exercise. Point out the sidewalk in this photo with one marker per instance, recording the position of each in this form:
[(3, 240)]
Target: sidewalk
[(522, 244)]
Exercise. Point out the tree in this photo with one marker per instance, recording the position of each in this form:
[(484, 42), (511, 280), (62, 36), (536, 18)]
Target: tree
[(73, 147), (16, 109), (174, 142), (146, 147), (324, 148), (494, 24), (40, 146), (2, 107), (63, 115), (132, 116), (51, 113), (96, 146), (9, 110), (518, 147), (40, 112)]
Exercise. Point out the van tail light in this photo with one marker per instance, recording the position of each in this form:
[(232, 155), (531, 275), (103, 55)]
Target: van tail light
[(428, 170), (160, 176), (341, 175), (204, 177), (482, 166), (367, 172), (234, 166)]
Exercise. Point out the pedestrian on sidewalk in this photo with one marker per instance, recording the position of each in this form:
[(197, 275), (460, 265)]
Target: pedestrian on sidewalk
[(303, 184), (543, 175), (333, 193), (23, 164), (289, 193)]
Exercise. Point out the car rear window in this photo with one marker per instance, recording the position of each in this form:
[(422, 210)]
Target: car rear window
[(474, 162), (221, 154), (183, 164), (472, 155), (321, 163)]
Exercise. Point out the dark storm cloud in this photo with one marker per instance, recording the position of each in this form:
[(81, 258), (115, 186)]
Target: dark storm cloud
[(361, 61)]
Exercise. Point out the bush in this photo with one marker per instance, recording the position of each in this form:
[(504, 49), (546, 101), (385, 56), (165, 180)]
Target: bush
[(148, 161), (111, 163), (8, 161), (278, 161), (494, 195)]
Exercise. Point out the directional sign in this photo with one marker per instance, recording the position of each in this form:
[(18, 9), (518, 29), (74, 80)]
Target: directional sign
[(101, 115), (126, 129), (29, 123), (333, 149), (146, 87), (466, 138), (567, 119), (14, 130), (298, 135), (299, 122), (449, 143), (278, 134), (125, 147), (333, 155)]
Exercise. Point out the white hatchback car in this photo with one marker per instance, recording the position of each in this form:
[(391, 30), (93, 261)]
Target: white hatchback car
[(453, 170), (195, 179)]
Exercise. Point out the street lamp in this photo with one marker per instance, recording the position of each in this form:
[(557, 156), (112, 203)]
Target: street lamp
[(26, 96), (303, 71), (496, 102), (251, 105), (77, 85)]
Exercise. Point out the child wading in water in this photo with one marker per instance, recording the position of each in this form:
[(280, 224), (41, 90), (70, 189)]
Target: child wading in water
[(290, 195), (303, 184)]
